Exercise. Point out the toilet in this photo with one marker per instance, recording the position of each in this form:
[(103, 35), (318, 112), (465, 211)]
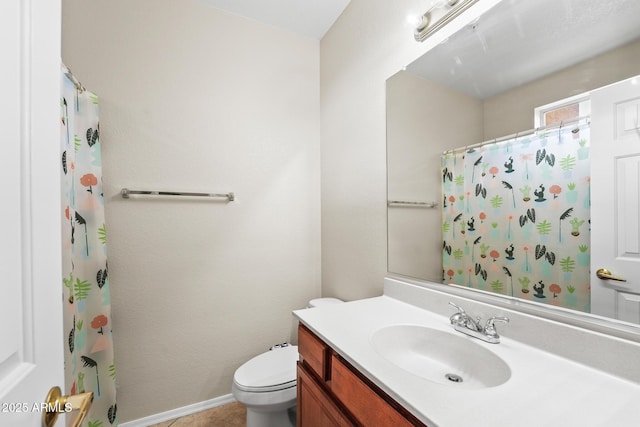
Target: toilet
[(266, 384)]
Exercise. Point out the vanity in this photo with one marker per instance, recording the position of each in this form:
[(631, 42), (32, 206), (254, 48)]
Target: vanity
[(333, 392), (396, 360)]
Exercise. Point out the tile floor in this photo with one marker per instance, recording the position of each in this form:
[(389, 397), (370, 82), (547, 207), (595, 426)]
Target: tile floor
[(230, 415)]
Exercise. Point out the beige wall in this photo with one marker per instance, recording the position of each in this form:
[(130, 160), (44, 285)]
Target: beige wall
[(370, 42), (196, 99), (512, 111), (420, 117)]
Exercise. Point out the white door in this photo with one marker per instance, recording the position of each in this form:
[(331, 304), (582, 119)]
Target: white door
[(615, 195), (31, 344)]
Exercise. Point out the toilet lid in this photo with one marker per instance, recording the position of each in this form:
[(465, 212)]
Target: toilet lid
[(272, 370)]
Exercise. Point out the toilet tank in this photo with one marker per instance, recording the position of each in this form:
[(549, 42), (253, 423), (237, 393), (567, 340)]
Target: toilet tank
[(317, 302)]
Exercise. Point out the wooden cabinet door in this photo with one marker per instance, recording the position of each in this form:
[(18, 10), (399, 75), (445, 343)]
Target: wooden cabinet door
[(315, 407), (367, 405), (314, 352)]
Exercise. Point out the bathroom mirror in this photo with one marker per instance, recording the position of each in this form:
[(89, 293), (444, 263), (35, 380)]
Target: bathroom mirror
[(485, 82)]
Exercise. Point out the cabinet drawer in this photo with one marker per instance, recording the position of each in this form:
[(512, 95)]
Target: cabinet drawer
[(367, 406), (314, 352)]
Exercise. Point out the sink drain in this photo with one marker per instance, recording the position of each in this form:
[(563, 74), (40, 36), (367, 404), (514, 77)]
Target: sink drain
[(453, 378)]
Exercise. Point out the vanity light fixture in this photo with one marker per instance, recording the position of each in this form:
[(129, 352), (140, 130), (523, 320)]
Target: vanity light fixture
[(424, 28)]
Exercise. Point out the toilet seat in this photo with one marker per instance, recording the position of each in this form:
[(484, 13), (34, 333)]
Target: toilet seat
[(270, 371)]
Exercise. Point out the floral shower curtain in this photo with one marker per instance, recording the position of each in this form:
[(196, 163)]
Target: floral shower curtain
[(87, 316), (516, 217)]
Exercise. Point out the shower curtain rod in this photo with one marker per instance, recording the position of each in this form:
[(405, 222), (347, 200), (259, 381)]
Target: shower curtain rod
[(517, 135), (73, 78)]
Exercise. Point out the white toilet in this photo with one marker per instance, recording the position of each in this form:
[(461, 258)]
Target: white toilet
[(266, 384)]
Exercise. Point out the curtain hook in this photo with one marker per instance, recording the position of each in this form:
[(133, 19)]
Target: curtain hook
[(560, 130)]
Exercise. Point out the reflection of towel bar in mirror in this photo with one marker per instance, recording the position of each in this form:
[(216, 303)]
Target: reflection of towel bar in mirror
[(125, 192), (429, 205)]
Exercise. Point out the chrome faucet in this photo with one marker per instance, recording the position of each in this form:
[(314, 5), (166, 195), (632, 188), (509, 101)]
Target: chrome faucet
[(463, 322)]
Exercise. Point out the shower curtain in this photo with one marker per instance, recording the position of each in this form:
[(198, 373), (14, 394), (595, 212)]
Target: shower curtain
[(516, 217), (89, 362)]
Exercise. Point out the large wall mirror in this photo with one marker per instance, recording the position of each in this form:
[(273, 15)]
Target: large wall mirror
[(480, 93)]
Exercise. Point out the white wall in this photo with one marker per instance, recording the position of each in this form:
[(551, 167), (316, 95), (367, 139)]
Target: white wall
[(196, 99)]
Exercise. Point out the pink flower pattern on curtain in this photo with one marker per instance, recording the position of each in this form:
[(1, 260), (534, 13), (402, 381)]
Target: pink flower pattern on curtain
[(89, 364)]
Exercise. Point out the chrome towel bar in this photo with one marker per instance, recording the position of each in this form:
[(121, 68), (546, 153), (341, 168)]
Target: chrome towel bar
[(429, 205), (125, 193)]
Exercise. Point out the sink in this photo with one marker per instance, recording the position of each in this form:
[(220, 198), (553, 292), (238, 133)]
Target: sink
[(440, 356)]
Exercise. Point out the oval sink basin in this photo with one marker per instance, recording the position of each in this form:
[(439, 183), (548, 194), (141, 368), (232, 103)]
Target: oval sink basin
[(440, 357)]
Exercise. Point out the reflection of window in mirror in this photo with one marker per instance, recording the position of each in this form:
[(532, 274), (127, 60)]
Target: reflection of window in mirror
[(563, 110)]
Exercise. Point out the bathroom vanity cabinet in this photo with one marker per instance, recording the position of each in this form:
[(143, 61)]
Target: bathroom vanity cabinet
[(364, 363), (331, 392)]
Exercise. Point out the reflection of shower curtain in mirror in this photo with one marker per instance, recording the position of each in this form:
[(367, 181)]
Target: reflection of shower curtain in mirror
[(516, 217), (87, 313)]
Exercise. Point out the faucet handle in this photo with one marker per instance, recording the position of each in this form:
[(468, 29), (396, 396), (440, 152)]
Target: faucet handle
[(460, 309), (490, 328), (459, 317)]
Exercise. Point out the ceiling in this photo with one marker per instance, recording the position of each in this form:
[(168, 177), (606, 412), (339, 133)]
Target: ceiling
[(311, 18), (520, 41)]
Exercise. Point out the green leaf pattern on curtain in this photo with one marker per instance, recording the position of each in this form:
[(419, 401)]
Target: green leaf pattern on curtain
[(89, 364), (516, 217)]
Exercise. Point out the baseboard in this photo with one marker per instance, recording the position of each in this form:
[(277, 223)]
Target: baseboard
[(180, 412)]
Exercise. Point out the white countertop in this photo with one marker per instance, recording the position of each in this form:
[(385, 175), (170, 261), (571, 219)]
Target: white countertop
[(543, 390)]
